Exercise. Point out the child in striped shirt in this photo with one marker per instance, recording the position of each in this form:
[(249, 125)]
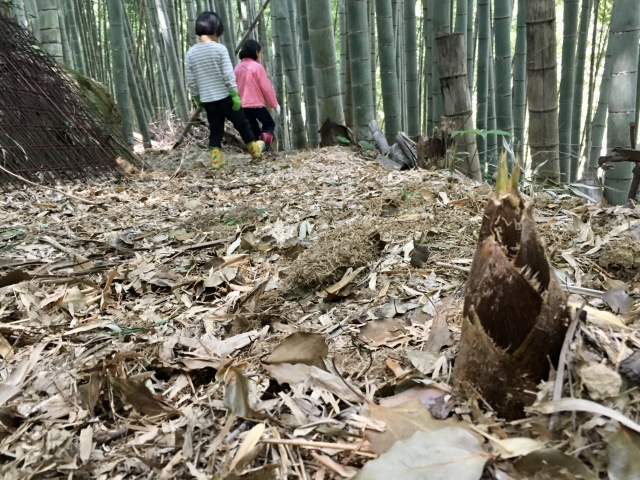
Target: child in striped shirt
[(212, 83)]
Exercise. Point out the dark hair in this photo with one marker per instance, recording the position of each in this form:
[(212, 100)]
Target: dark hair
[(250, 49), (209, 23)]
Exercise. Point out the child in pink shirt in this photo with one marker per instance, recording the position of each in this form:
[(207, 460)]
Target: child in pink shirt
[(256, 92)]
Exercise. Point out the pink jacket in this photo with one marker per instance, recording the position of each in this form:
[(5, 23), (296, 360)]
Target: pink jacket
[(254, 86)]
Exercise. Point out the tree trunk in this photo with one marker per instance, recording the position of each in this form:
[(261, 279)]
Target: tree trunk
[(567, 86), (428, 63), (492, 137), (520, 80), (598, 123), (64, 34), (174, 66), (360, 63), (50, 34), (372, 48), (76, 45), (342, 24), (593, 67), (228, 34), (542, 88), (119, 52), (441, 25), (154, 34), (323, 53), (623, 39), (283, 25), (310, 99), (388, 76), (411, 65), (452, 64), (502, 70), (578, 93), (471, 43), (278, 71), (191, 22), (484, 47), (31, 7)]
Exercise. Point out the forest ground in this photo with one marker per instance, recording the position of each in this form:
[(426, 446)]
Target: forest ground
[(240, 300)]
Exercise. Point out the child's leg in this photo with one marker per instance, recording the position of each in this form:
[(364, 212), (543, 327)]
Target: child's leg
[(268, 124), (239, 120), (215, 116), (251, 114)]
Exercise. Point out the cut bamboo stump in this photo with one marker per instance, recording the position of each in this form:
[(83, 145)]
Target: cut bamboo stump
[(452, 64)]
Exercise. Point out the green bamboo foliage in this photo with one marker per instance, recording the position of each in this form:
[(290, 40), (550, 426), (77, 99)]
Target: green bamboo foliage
[(520, 79), (484, 47), (388, 77), (310, 100), (441, 25), (567, 86), (411, 66), (119, 51), (542, 89), (174, 66), (623, 40), (283, 25), (581, 60), (360, 63), (323, 54), (502, 78), (50, 34)]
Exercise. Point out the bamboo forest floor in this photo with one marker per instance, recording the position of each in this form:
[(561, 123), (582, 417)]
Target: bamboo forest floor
[(178, 325)]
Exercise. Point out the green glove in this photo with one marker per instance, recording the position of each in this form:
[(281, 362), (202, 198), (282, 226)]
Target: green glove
[(198, 102), (235, 98)]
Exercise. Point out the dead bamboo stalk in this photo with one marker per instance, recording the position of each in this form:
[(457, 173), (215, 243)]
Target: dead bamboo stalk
[(379, 138)]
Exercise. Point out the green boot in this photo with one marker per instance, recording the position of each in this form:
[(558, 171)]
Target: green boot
[(256, 148), (216, 162)]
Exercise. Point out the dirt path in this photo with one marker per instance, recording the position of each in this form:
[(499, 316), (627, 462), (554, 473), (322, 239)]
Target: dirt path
[(187, 315)]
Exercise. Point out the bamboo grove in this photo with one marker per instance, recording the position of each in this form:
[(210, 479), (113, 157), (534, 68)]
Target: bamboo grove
[(557, 81)]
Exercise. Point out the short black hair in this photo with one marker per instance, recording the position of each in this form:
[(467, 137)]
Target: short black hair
[(250, 49), (209, 23)]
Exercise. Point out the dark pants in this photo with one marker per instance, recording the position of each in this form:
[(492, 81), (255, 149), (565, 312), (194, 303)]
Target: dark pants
[(217, 112), (262, 115)]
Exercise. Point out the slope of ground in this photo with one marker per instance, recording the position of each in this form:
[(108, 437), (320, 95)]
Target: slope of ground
[(180, 325)]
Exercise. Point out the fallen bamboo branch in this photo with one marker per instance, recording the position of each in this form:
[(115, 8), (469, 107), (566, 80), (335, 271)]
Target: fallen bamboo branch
[(19, 177), (351, 447)]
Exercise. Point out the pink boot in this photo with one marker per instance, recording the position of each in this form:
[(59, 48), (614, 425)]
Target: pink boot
[(267, 138)]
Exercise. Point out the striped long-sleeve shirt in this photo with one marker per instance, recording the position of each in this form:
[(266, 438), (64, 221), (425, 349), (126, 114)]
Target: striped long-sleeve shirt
[(209, 72)]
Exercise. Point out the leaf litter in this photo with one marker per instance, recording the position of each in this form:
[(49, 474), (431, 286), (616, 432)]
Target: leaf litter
[(298, 317)]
